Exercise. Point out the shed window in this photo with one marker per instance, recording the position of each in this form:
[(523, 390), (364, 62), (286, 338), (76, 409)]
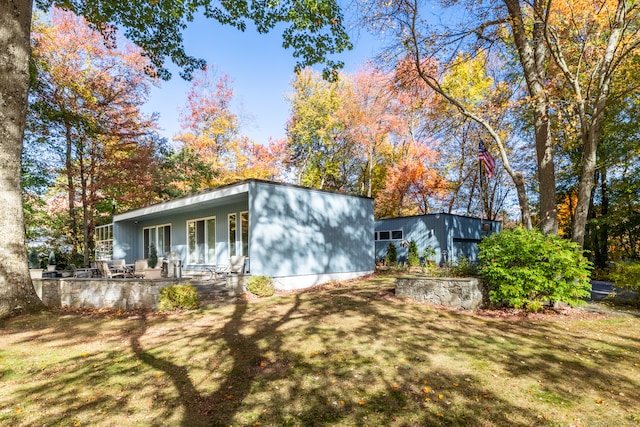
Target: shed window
[(389, 235)]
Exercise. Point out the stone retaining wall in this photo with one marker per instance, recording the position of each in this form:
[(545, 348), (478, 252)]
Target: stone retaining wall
[(118, 294), (461, 293)]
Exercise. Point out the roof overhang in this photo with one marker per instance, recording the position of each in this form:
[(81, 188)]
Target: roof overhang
[(218, 196)]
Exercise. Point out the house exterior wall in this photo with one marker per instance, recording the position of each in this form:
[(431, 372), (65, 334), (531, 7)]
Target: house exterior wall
[(302, 232), (451, 236), (128, 235), (298, 236)]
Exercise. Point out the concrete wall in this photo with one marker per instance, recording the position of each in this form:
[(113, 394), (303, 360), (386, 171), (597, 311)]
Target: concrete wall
[(119, 294)]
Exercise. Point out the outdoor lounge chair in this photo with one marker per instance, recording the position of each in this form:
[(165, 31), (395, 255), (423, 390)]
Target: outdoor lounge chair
[(236, 264), (138, 267), (105, 271)]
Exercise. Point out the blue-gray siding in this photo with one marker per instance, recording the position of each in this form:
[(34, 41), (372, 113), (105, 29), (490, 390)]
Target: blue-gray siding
[(292, 230), (451, 236), (296, 231)]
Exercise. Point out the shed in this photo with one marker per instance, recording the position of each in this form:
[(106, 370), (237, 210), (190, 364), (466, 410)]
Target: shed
[(450, 236)]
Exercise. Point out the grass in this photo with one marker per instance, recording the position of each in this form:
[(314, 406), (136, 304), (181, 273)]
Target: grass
[(348, 355)]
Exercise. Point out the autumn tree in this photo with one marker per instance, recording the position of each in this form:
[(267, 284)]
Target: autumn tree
[(413, 186), (209, 127), (313, 30), (592, 45), (426, 50), (85, 105), (320, 151)]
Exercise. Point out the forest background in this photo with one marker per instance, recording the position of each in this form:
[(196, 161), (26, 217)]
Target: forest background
[(404, 129)]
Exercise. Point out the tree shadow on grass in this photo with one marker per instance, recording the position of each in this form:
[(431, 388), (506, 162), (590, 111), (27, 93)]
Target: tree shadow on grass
[(350, 355)]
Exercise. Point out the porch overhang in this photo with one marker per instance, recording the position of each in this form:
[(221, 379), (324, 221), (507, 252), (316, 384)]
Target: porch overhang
[(218, 196)]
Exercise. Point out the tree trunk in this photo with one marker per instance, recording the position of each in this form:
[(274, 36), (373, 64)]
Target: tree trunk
[(17, 294), (533, 58), (589, 148), (71, 193)]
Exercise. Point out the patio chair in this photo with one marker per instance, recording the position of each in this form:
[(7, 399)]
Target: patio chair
[(138, 267), (79, 272), (105, 271)]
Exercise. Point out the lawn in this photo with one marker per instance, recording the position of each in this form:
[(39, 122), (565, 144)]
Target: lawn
[(348, 355)]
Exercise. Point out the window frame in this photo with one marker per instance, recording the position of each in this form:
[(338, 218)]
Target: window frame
[(192, 257), (390, 235), (161, 251)]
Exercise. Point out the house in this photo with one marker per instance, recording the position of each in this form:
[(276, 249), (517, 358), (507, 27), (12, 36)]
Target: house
[(298, 236), (450, 236)]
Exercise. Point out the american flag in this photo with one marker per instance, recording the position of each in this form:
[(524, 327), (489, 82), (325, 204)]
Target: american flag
[(486, 158)]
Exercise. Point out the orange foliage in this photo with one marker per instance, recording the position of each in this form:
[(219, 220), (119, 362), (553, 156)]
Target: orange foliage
[(412, 185)]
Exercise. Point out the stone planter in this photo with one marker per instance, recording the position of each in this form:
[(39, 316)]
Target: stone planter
[(51, 267), (152, 273), (35, 273)]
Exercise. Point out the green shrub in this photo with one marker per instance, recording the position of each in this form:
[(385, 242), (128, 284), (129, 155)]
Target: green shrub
[(413, 257), (392, 254), (627, 276), (464, 268), (153, 256), (261, 286), (524, 269), (178, 297)]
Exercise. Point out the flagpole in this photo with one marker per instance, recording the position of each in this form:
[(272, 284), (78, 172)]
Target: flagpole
[(481, 166)]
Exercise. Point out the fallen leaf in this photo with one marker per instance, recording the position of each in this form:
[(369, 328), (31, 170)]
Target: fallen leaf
[(427, 390), (441, 396)]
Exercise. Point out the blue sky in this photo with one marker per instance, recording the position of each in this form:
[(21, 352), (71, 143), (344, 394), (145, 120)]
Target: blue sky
[(261, 70)]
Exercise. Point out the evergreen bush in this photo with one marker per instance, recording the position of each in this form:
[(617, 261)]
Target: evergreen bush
[(413, 257), (392, 254), (52, 258), (153, 256), (178, 297), (261, 286), (34, 259), (525, 269)]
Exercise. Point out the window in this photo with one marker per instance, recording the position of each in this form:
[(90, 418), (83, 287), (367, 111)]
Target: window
[(244, 230), (389, 235), (160, 236), (201, 236), (104, 242), (232, 234)]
